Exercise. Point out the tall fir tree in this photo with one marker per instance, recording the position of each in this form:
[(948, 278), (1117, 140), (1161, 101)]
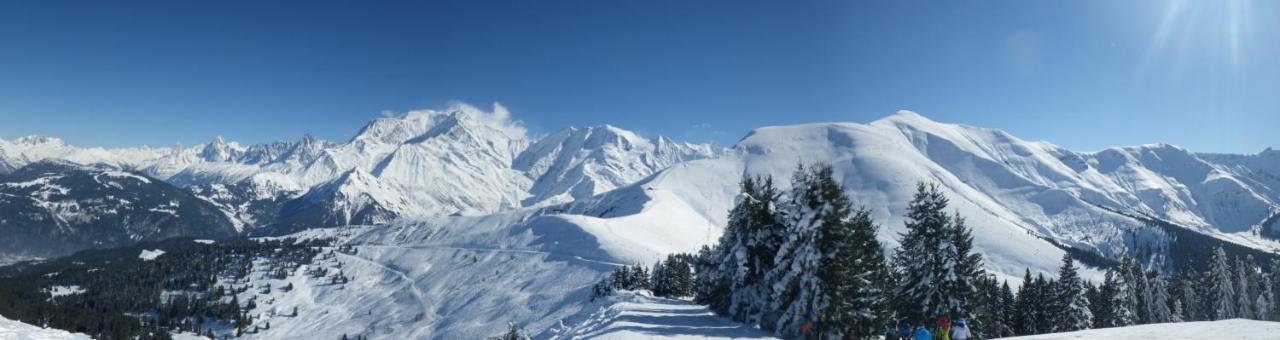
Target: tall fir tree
[(918, 261), (1142, 293), (1009, 303), (1024, 315), (1120, 297), (1075, 313), (829, 271), (1244, 295), (935, 264), (1220, 295), (961, 269), (733, 284), (1188, 294), (1266, 309), (1160, 300)]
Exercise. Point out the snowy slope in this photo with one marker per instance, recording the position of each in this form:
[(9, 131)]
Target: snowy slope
[(634, 315), (10, 329), (468, 276), (577, 163), (1225, 329), (1014, 193)]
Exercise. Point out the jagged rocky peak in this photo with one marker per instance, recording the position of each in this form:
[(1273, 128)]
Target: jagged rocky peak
[(219, 150)]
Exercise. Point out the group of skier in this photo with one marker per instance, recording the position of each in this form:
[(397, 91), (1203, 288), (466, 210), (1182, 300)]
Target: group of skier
[(941, 330)]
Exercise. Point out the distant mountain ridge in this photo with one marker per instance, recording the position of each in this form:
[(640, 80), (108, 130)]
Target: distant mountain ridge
[(459, 160), (462, 160)]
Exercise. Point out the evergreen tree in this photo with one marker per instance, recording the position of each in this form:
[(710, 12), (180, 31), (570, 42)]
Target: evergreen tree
[(733, 284), (1120, 297), (1160, 299), (1100, 302), (1192, 309), (1009, 303), (1264, 305), (1075, 314), (1143, 291), (1244, 295), (934, 263), (961, 270), (1221, 295), (1024, 315), (1176, 315), (830, 269)]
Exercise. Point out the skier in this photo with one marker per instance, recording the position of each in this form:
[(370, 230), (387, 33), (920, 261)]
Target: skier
[(961, 331), (904, 331), (944, 328), (922, 333)]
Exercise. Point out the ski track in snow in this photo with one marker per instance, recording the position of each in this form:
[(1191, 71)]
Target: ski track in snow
[(499, 250), (413, 287)]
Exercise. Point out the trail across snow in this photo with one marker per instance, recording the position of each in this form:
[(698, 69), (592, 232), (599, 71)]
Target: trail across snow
[(636, 315)]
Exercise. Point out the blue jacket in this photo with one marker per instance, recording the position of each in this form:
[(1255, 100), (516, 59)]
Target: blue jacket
[(923, 334)]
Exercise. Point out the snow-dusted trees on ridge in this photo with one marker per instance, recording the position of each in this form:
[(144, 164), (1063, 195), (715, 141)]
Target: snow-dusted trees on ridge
[(803, 262)]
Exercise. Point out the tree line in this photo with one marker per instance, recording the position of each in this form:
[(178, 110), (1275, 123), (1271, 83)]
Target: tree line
[(805, 263)]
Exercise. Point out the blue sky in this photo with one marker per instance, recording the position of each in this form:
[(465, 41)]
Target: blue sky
[(1083, 74)]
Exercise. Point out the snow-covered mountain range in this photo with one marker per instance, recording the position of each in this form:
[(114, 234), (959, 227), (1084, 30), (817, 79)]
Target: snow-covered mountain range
[(468, 217), (429, 163)]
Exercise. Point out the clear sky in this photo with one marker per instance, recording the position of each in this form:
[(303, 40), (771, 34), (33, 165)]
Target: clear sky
[(1083, 74)]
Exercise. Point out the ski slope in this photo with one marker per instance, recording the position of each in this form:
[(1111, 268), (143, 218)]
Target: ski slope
[(10, 329), (636, 315), (1225, 329)]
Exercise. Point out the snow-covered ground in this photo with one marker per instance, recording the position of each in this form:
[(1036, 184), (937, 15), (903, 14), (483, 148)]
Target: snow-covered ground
[(1225, 329), (636, 315), (10, 329), (148, 254)]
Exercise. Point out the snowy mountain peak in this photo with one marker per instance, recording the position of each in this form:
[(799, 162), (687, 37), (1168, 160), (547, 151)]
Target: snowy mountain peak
[(414, 124), (33, 140)]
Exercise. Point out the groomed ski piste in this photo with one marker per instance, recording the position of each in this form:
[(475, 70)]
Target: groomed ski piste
[(1200, 330)]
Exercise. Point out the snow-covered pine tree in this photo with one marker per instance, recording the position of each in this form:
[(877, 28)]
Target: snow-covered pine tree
[(1120, 298), (1176, 315), (639, 277), (1024, 315), (1244, 295), (1264, 306), (989, 318), (1101, 305), (658, 280), (1221, 295), (961, 270), (733, 284), (829, 272), (1142, 293), (1009, 303), (1075, 314), (712, 286), (1160, 300), (1044, 293), (1275, 289), (920, 259), (1189, 282), (855, 272)]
